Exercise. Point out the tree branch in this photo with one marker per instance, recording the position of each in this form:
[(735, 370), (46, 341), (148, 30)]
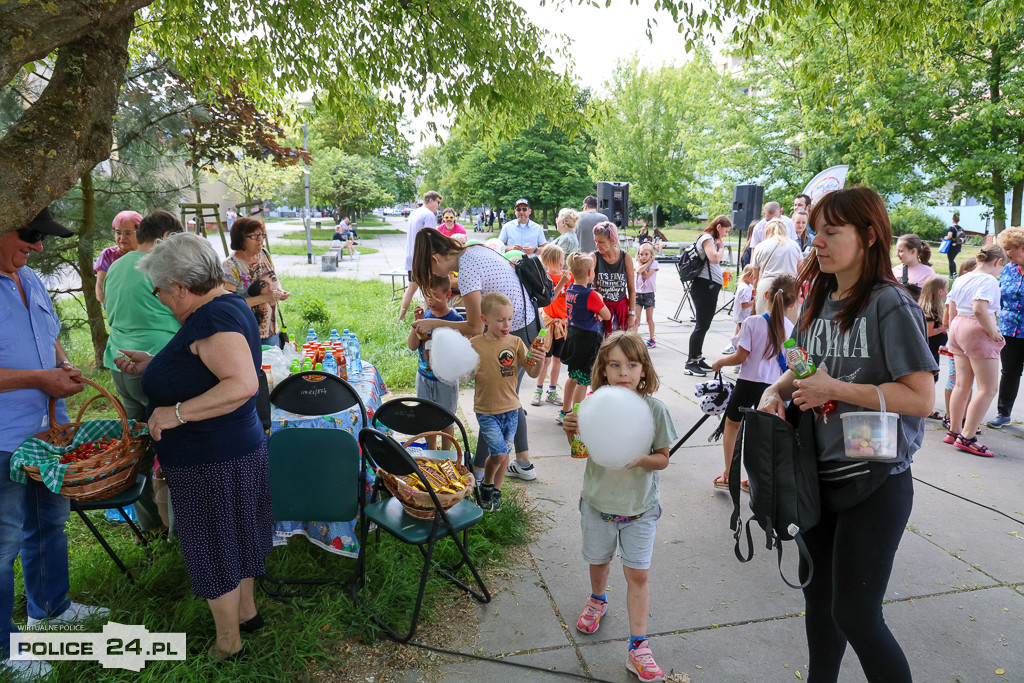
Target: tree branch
[(67, 130)]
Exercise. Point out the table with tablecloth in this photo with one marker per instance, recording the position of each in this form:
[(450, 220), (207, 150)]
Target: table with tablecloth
[(336, 537)]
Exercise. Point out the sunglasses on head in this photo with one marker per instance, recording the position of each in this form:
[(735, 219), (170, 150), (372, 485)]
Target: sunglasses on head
[(30, 235)]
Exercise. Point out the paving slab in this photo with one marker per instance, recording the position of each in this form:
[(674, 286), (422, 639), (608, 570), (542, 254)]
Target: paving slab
[(468, 670)]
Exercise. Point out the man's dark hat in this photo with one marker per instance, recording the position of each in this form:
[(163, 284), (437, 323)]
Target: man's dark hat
[(45, 224)]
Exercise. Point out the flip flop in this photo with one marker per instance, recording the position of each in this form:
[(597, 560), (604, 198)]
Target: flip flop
[(721, 482), (745, 486)]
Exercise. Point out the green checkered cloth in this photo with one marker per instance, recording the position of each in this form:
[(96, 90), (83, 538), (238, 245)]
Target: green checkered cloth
[(46, 456)]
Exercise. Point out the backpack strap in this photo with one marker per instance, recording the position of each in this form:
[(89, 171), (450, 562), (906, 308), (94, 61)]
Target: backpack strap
[(735, 523), (805, 555)]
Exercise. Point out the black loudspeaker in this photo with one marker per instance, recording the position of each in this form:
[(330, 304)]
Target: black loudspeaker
[(746, 205), (613, 202)]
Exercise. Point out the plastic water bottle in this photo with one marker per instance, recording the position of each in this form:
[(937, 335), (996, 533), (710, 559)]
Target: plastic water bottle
[(334, 335), (329, 364), (357, 353), (311, 336)]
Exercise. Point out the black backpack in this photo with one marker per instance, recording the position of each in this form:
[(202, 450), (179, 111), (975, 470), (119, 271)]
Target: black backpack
[(782, 466), (534, 277), (691, 261)]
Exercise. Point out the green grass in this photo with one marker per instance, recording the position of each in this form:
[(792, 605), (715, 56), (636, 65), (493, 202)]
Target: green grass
[(327, 234), (318, 248), (305, 637)]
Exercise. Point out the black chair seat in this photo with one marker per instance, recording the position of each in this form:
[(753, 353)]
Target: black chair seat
[(391, 517), (123, 499), (119, 503)]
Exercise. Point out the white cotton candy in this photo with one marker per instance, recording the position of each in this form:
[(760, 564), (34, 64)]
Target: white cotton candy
[(496, 244), (452, 357), (616, 425)]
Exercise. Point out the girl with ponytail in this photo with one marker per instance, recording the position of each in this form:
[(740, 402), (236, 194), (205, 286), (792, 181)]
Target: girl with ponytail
[(758, 353)]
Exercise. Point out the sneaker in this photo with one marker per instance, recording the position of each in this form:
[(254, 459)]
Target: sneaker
[(999, 422), (950, 437), (693, 368), (538, 394), (484, 492), (730, 349), (553, 398), (75, 612), (495, 504), (26, 670), (703, 364), (651, 343), (590, 620), (524, 473), (973, 447), (560, 417), (641, 663)]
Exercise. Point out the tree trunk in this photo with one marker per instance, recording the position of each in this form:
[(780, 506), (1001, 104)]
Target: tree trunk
[(1015, 203), (995, 75), (86, 238)]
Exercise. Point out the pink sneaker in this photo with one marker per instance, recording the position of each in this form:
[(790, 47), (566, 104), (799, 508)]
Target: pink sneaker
[(641, 663), (591, 617)]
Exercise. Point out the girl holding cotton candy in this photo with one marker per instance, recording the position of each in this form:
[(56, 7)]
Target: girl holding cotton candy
[(628, 433)]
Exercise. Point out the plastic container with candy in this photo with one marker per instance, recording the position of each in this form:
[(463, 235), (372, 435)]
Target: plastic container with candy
[(868, 435)]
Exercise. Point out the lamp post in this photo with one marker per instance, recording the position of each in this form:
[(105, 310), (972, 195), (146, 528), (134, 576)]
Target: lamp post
[(305, 209)]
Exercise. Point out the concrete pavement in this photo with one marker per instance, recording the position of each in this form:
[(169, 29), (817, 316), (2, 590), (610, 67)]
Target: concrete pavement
[(955, 600)]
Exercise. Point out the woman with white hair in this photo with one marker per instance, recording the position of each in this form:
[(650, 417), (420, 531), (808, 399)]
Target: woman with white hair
[(202, 417), (776, 255), (567, 239)]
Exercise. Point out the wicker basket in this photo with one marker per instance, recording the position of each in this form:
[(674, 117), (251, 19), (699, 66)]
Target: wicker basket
[(104, 474), (417, 503)]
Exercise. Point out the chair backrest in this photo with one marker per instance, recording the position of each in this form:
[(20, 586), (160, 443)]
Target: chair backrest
[(314, 474), (385, 453), (411, 415), (316, 393)]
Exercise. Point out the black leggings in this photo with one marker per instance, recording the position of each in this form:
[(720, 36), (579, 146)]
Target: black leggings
[(704, 294), (954, 251), (853, 553), (1012, 358)]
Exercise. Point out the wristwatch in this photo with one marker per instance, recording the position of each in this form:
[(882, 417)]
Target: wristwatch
[(65, 362), (632, 312)]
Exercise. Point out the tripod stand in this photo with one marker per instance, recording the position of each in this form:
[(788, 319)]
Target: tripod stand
[(685, 301)]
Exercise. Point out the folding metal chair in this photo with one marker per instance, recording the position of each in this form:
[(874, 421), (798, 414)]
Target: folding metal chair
[(314, 474), (385, 453), (411, 416), (317, 393), (119, 503)]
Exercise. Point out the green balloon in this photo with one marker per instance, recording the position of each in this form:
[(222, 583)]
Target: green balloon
[(515, 253), (472, 242)]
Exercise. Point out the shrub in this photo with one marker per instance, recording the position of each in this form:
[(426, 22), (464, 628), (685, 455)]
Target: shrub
[(911, 219), (313, 311)]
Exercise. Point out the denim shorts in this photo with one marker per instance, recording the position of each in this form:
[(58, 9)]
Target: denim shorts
[(635, 538), (499, 432), (645, 300)]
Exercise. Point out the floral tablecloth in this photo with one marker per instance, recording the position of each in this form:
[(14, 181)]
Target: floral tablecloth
[(335, 537)]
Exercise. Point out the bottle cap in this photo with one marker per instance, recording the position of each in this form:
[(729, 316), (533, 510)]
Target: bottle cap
[(789, 343)]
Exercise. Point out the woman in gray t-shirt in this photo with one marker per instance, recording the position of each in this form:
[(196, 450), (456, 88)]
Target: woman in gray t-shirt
[(862, 331)]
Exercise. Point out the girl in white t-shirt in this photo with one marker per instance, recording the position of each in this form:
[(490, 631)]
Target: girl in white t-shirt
[(742, 304), (975, 342), (759, 342)]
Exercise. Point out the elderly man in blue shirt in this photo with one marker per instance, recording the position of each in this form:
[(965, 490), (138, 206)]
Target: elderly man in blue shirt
[(522, 233), (33, 368)]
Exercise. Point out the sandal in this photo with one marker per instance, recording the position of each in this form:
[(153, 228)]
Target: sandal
[(973, 447), (950, 437), (745, 486), (721, 482), (936, 415)]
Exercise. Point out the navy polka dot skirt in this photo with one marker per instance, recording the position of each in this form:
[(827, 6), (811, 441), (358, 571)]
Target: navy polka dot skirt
[(222, 514)]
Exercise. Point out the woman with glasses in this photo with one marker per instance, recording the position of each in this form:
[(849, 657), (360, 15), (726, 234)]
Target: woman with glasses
[(613, 278), (124, 225), (248, 235), (449, 228), (202, 389)]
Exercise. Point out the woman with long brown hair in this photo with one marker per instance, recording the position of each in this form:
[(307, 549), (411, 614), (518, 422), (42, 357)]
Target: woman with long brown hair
[(866, 336), (704, 290), (481, 271)]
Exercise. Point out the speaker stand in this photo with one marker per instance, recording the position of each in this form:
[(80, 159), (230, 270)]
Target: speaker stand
[(685, 301)]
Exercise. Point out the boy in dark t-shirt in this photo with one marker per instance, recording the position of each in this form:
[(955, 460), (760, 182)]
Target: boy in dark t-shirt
[(586, 309)]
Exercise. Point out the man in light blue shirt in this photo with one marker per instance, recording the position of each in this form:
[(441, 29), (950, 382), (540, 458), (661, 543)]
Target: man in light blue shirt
[(522, 233), (33, 368)]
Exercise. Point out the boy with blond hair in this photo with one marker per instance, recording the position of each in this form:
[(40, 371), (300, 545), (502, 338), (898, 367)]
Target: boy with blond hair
[(495, 400)]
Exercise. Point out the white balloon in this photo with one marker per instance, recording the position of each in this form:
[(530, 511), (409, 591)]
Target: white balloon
[(452, 357), (616, 425)]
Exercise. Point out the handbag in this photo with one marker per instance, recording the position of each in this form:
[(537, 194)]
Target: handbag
[(282, 328), (944, 245), (782, 466)]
